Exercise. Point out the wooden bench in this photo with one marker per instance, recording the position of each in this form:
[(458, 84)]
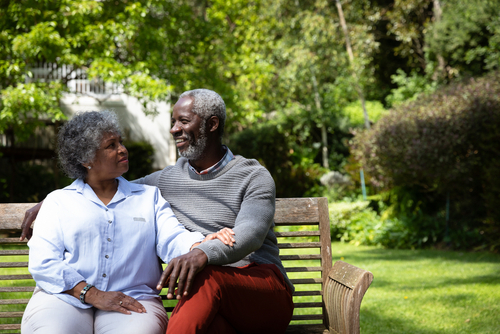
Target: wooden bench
[(327, 300)]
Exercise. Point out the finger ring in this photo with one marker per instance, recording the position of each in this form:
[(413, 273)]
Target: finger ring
[(121, 303)]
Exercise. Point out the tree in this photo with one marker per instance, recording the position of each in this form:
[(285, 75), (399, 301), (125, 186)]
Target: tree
[(105, 40)]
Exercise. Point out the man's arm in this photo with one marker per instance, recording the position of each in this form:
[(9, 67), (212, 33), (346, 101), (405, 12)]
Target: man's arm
[(29, 218), (150, 180), (252, 224)]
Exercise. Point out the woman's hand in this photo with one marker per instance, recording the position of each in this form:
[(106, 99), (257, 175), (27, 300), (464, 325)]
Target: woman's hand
[(225, 235), (107, 300), (113, 301)]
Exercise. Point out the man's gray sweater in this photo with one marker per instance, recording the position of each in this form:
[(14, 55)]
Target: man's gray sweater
[(240, 196)]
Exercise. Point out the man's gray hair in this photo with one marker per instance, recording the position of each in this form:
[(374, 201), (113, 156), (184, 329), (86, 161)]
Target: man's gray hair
[(207, 103), (79, 139)]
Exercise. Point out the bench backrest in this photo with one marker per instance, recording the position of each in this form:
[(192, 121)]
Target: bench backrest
[(302, 228)]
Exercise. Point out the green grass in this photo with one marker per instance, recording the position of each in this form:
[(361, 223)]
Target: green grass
[(421, 291), (427, 291)]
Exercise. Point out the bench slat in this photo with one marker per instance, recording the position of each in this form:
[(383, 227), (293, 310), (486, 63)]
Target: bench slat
[(306, 280), (309, 329), (297, 234), (13, 264), (298, 223), (307, 293), (308, 317), (15, 277), (13, 301), (11, 213), (302, 269), (292, 210), (10, 326), (11, 240), (307, 305), (11, 314), (300, 257), (14, 252), (17, 289), (299, 245)]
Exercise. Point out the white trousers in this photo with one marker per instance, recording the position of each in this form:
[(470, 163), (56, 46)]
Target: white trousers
[(47, 314)]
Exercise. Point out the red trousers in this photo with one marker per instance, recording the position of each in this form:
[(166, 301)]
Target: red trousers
[(226, 300)]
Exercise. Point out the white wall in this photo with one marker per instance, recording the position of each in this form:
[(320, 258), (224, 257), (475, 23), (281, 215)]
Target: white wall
[(135, 124)]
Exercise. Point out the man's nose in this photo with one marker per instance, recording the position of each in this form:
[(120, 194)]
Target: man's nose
[(175, 128)]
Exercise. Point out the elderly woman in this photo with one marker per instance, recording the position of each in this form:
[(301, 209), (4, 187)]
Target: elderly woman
[(93, 254)]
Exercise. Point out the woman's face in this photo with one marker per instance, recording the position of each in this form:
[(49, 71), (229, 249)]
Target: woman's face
[(111, 159)]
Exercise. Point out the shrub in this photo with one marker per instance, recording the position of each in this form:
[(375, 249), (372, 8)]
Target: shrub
[(444, 143)]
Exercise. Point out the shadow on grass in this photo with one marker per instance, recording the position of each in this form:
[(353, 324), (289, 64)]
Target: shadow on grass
[(381, 254)]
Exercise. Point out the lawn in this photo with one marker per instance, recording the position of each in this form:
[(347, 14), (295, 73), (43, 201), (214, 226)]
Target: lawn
[(427, 291), (423, 291)]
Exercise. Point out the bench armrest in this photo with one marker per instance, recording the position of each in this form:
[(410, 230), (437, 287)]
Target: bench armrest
[(343, 292)]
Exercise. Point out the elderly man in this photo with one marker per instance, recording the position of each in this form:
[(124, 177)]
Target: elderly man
[(241, 288)]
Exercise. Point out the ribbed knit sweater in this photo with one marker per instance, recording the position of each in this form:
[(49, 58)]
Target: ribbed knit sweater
[(240, 196)]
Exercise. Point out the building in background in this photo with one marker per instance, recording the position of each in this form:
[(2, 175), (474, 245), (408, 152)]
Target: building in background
[(29, 169), (137, 125)]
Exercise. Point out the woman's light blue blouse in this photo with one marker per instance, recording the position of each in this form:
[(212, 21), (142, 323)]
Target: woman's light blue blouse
[(115, 247)]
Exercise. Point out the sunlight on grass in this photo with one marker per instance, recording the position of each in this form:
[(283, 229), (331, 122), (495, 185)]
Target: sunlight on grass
[(427, 291)]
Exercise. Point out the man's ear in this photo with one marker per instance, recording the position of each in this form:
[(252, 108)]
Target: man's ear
[(213, 123)]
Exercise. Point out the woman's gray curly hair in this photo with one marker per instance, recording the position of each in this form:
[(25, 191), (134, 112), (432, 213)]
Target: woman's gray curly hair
[(79, 139), (207, 103)]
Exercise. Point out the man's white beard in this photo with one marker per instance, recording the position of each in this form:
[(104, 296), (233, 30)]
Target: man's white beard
[(195, 149)]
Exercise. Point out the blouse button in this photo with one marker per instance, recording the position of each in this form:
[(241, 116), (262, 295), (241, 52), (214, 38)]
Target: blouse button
[(103, 275), (109, 239)]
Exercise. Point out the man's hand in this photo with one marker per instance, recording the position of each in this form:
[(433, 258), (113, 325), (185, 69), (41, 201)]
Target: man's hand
[(29, 218), (183, 268)]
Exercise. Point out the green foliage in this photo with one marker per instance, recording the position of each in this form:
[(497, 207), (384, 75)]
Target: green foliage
[(358, 223), (409, 87), (32, 182), (266, 144), (467, 37), (443, 143), (354, 112), (141, 159), (25, 105), (106, 40)]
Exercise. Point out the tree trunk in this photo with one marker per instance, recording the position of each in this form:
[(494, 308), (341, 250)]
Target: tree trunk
[(438, 12), (351, 61), (324, 137)]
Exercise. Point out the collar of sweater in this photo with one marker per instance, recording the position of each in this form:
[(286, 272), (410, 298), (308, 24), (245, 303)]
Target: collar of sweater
[(183, 164)]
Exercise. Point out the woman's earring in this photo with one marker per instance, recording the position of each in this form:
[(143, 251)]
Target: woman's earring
[(89, 167)]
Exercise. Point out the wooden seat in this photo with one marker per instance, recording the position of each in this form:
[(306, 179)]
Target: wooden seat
[(327, 300)]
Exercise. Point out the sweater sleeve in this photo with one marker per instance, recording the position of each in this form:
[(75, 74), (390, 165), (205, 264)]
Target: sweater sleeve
[(150, 180), (252, 224)]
